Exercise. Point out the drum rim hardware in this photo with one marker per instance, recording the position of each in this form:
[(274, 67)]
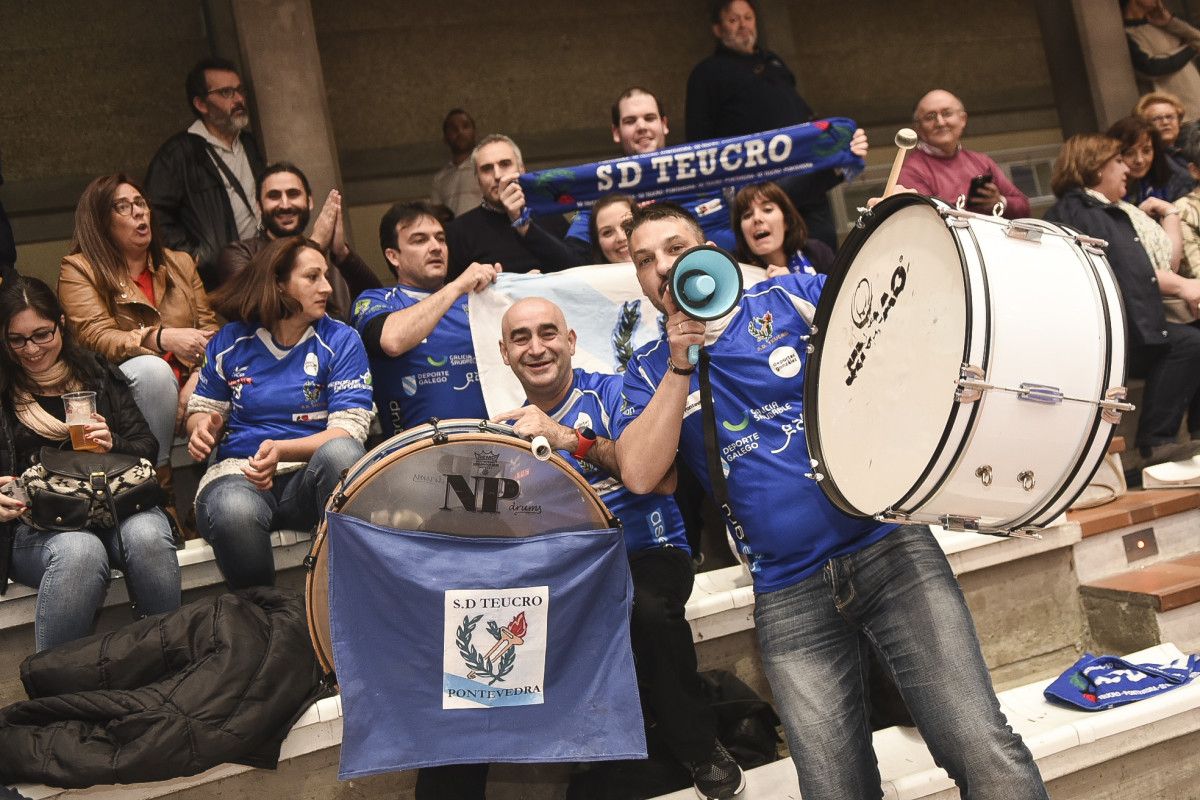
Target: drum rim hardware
[(971, 387), (958, 523)]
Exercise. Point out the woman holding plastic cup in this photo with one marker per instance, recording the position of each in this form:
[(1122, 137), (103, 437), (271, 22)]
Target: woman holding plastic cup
[(43, 370)]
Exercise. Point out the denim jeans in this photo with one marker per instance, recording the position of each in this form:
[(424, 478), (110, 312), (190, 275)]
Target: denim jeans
[(899, 597), (70, 570), (156, 393), (237, 519)]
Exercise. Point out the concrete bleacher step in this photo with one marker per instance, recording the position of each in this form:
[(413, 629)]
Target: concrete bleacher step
[(1144, 527), (1146, 605), (1148, 746)]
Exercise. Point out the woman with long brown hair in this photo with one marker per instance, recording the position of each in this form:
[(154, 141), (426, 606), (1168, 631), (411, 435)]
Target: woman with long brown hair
[(284, 399), (39, 362), (136, 303)]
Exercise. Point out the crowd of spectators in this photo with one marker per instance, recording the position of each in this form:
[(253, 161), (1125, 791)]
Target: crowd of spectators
[(278, 400)]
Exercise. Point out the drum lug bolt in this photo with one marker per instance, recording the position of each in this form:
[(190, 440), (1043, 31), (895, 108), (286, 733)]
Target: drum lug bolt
[(970, 384), (1111, 407), (984, 474), (1027, 480)]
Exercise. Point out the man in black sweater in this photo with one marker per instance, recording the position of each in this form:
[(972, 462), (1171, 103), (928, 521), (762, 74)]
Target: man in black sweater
[(500, 230)]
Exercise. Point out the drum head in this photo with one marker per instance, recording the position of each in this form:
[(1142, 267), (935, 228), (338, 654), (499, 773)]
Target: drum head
[(461, 477), (891, 338)]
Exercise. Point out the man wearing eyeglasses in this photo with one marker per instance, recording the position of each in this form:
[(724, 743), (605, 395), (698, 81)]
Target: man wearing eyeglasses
[(201, 182), (941, 167)]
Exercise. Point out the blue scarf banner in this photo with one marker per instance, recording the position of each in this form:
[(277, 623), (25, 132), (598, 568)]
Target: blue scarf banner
[(1095, 683), (460, 650), (698, 168)]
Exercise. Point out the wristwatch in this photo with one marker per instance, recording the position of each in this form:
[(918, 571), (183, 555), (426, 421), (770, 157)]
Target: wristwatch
[(587, 438)]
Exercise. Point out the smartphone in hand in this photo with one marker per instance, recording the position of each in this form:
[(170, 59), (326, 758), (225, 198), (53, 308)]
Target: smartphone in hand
[(977, 184)]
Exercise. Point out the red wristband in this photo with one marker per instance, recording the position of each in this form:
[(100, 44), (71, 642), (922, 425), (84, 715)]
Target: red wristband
[(585, 443)]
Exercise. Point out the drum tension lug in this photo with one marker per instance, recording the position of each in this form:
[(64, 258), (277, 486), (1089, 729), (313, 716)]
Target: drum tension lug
[(984, 473), (970, 384), (309, 562), (1027, 480), (962, 524), (1025, 231), (1112, 406), (814, 475)]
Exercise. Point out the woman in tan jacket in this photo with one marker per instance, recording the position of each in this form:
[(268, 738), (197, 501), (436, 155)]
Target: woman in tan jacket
[(136, 303)]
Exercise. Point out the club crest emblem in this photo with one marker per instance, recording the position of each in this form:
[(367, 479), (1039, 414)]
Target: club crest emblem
[(494, 652), (762, 327), (312, 391)]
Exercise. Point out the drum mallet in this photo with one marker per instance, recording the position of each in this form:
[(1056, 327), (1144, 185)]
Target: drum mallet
[(906, 139), (541, 447)]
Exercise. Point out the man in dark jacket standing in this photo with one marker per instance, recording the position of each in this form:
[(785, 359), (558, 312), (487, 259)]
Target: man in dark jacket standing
[(202, 181), (741, 89)]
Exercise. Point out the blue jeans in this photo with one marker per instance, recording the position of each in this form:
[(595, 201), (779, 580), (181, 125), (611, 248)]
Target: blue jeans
[(237, 519), (156, 393), (899, 597), (70, 570)]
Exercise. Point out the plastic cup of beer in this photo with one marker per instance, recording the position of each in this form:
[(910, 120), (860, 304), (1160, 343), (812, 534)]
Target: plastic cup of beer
[(80, 407)]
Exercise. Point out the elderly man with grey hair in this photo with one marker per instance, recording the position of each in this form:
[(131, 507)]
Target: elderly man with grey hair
[(500, 230), (941, 167)]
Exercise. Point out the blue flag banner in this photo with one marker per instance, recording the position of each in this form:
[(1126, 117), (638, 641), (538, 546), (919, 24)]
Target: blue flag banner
[(1095, 683), (698, 169), (458, 650)]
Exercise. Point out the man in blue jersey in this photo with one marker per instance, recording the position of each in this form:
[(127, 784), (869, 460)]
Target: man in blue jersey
[(416, 333), (827, 586), (574, 409)]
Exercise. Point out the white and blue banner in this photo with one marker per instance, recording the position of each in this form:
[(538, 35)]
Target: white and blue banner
[(602, 303), (1095, 683), (458, 650), (698, 168)]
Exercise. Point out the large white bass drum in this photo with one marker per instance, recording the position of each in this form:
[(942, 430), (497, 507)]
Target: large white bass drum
[(966, 370)]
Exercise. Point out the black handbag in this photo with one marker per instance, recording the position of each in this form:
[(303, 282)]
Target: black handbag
[(76, 490)]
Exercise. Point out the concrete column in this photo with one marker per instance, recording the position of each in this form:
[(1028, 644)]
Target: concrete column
[(278, 44), (1111, 81)]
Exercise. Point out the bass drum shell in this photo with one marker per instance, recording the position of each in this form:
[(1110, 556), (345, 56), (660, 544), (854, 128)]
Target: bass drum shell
[(921, 290), (456, 477)]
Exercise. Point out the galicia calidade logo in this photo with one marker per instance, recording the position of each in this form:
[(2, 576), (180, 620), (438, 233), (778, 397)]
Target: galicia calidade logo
[(494, 647)]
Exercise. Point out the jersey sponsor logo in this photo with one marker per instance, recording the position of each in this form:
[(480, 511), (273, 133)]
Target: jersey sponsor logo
[(869, 320), (236, 384), (351, 383), (785, 361), (409, 384), (740, 447), (436, 362), (462, 359), (692, 405), (310, 416), (361, 306), (738, 426), (472, 377), (789, 429), (770, 411), (311, 365)]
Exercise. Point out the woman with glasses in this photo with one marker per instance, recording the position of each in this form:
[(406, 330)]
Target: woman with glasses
[(40, 360), (137, 304), (284, 400), (1151, 173), (1144, 246), (771, 233)]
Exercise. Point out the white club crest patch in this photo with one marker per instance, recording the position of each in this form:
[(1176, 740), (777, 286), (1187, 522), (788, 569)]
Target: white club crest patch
[(311, 365), (494, 647)]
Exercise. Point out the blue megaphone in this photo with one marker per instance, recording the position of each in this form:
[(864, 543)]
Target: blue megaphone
[(706, 283)]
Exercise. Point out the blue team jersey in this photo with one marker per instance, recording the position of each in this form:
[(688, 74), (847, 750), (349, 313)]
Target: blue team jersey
[(283, 393), (758, 388), (649, 520), (711, 211), (437, 378)]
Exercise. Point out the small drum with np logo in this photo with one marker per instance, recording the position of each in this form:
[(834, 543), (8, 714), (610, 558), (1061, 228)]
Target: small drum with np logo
[(465, 477), (966, 370)]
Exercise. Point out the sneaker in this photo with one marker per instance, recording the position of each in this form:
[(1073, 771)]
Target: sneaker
[(717, 777)]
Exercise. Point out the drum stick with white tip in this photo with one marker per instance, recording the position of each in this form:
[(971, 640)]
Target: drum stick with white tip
[(541, 447), (906, 139)]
